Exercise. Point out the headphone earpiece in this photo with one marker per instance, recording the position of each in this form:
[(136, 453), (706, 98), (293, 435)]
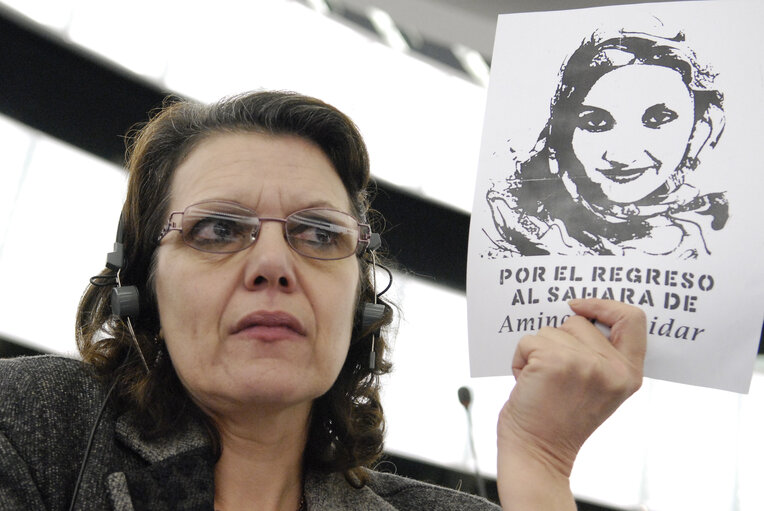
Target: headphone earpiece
[(125, 300), (375, 241), (372, 313)]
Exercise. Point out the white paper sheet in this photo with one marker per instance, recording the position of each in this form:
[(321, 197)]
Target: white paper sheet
[(622, 158)]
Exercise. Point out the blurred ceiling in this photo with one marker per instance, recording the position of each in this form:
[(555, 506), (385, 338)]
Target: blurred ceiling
[(446, 23)]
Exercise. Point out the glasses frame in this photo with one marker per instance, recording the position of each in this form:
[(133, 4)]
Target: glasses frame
[(364, 230)]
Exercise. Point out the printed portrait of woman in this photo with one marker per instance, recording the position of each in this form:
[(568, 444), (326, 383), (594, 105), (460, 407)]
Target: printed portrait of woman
[(610, 172)]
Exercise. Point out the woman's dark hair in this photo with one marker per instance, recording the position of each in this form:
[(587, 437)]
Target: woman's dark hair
[(601, 54), (347, 425)]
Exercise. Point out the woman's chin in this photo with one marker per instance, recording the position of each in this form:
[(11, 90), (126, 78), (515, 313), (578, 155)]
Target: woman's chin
[(621, 196), (283, 390), (258, 385)]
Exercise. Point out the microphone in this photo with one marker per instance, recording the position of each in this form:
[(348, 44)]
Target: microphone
[(465, 398)]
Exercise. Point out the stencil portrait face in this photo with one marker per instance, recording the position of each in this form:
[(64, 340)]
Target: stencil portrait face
[(632, 130)]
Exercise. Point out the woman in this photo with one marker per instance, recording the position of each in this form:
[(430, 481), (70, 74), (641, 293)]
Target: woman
[(630, 117), (241, 378)]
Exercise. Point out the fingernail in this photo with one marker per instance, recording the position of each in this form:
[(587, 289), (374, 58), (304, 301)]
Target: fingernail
[(574, 302)]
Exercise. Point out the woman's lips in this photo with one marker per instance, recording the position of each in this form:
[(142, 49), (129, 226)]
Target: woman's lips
[(625, 175), (268, 326)]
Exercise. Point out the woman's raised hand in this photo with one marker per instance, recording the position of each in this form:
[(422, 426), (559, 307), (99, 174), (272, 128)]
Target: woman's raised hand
[(569, 380)]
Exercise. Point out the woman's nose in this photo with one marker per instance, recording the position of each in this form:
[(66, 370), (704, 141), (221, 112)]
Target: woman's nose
[(616, 159), (626, 148), (636, 159), (270, 260)]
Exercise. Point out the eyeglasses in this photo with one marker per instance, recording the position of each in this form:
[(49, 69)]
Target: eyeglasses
[(223, 227)]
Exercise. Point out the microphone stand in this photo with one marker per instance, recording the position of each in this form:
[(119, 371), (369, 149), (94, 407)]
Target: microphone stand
[(465, 398)]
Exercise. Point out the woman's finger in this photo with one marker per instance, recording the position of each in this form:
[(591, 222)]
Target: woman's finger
[(628, 327)]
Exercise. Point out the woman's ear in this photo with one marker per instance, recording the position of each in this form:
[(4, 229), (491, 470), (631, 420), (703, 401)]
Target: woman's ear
[(707, 130)]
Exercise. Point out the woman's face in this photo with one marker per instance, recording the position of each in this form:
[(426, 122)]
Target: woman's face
[(263, 327), (632, 130)]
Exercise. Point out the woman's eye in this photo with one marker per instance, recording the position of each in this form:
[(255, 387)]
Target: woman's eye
[(214, 231), (595, 120), (658, 115), (323, 236), (326, 234)]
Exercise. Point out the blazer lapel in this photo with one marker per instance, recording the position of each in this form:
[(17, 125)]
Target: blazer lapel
[(179, 473), (329, 492)]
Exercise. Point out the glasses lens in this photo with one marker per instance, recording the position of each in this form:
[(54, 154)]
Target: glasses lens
[(322, 233), (219, 227)]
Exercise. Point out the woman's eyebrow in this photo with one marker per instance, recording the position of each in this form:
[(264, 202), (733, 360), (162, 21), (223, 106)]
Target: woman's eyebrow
[(659, 105), (585, 110), (584, 106), (320, 203)]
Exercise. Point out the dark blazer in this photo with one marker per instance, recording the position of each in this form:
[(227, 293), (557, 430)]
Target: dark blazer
[(48, 406)]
